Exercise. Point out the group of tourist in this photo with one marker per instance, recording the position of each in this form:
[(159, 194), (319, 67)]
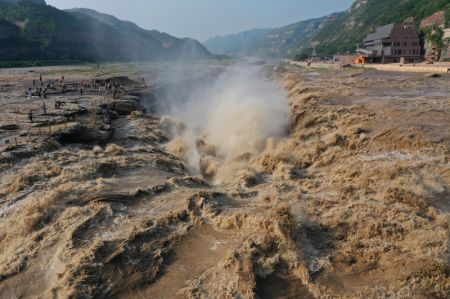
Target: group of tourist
[(40, 92), (142, 82), (111, 87)]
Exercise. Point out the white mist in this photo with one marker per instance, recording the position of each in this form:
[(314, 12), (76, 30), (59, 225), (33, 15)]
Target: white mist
[(234, 114)]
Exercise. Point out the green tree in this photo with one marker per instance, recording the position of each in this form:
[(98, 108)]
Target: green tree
[(436, 35), (301, 56)]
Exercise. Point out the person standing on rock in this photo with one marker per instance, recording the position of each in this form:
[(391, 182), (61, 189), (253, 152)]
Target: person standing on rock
[(44, 107), (30, 116)]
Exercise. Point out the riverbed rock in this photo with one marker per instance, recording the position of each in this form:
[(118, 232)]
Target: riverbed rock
[(82, 134), (14, 153), (125, 107), (433, 76), (10, 127), (130, 98)]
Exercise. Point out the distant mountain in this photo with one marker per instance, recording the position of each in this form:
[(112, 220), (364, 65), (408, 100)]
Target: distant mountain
[(39, 32), (280, 42), (174, 47), (235, 44), (40, 2), (338, 32), (293, 39)]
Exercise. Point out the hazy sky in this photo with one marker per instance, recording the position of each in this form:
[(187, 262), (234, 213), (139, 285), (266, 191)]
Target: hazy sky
[(202, 19)]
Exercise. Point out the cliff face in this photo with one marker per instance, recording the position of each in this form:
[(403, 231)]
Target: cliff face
[(445, 54), (437, 18)]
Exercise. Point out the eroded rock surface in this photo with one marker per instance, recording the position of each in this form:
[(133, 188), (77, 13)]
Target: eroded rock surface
[(352, 203)]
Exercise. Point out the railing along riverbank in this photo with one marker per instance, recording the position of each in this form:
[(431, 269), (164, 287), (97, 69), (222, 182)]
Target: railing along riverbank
[(417, 68)]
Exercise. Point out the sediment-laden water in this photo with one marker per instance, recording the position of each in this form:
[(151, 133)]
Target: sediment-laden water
[(288, 183)]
